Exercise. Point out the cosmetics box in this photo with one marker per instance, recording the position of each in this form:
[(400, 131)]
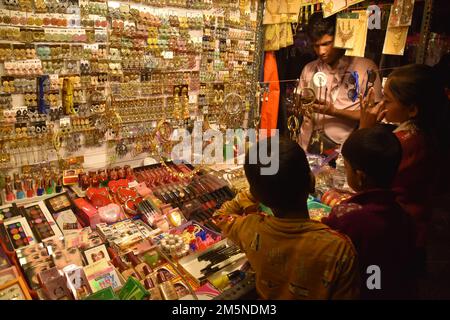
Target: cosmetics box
[(31, 271), (35, 253), (67, 221), (58, 203), (193, 266), (41, 221), (208, 236), (53, 284), (70, 177), (19, 232), (101, 275), (87, 212), (8, 211), (77, 281), (104, 294), (133, 290)]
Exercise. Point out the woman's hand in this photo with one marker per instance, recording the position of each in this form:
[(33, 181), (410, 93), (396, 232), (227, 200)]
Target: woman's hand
[(370, 114)]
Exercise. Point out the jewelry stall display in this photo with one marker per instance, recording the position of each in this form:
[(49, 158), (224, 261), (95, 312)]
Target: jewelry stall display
[(396, 36), (171, 207), (300, 104), (402, 12), (135, 42), (359, 46), (345, 30)]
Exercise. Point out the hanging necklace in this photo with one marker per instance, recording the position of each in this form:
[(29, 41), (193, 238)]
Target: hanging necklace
[(345, 34), (397, 37)]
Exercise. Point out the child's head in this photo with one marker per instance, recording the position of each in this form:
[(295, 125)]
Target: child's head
[(288, 188), (371, 157)]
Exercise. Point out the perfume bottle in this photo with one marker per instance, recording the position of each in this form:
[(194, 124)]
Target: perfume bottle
[(166, 287), (138, 265), (124, 269), (155, 294)]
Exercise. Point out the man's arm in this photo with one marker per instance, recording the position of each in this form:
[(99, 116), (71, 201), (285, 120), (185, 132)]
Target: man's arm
[(346, 114), (355, 115)]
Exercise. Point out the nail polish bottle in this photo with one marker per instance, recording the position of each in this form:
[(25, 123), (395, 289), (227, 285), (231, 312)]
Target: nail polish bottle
[(59, 186), (29, 188), (166, 287), (10, 196), (155, 294), (40, 188), (20, 194), (49, 185)]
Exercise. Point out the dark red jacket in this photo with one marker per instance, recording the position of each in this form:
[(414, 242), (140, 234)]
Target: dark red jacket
[(383, 235)]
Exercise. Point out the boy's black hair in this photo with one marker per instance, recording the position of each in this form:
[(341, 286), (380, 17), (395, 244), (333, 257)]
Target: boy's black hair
[(319, 26), (289, 187), (375, 151)]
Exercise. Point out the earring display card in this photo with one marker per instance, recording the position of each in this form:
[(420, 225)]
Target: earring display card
[(346, 25), (272, 12), (272, 37), (14, 291), (331, 7), (395, 40), (401, 13), (41, 221), (359, 47)]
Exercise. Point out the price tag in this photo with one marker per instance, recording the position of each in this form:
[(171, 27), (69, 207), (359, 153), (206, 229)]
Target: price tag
[(168, 54), (132, 184), (193, 98), (64, 121)]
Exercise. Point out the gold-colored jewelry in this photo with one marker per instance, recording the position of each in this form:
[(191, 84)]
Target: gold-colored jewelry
[(345, 34), (293, 126)]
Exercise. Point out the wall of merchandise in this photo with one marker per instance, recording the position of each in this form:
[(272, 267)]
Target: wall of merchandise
[(94, 78)]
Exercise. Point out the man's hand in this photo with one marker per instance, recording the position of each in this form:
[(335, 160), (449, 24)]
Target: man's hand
[(320, 107), (370, 114)]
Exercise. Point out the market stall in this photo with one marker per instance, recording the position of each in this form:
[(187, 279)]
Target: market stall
[(94, 204)]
